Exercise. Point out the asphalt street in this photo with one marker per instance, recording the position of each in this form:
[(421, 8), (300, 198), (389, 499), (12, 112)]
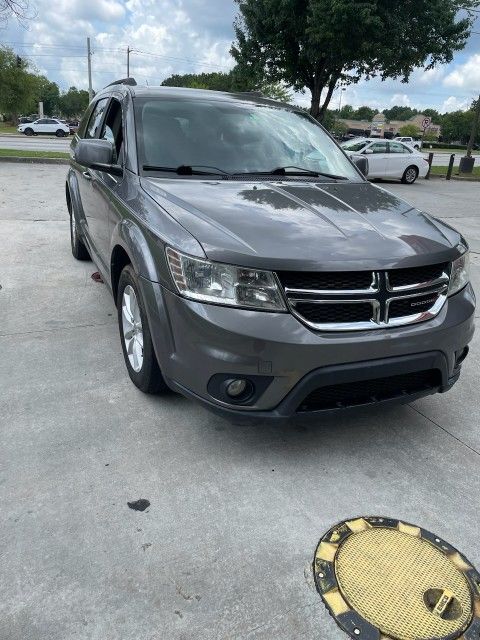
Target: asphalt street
[(35, 143), (224, 551)]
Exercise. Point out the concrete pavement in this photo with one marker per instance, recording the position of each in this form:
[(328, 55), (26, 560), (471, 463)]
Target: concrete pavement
[(224, 550)]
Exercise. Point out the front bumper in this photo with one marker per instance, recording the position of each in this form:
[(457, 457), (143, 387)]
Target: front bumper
[(195, 341)]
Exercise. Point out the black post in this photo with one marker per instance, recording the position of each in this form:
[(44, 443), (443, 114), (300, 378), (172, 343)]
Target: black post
[(450, 166), (430, 161)]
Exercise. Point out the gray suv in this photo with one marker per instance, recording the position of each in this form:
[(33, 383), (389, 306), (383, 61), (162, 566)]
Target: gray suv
[(253, 266)]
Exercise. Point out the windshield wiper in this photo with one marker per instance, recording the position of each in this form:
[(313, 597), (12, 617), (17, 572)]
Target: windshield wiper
[(297, 171), (188, 170)]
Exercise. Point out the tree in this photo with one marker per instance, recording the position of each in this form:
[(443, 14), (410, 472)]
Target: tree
[(457, 126), (238, 79), (48, 93), (347, 112), (310, 44), (17, 85), (364, 113), (19, 9), (73, 102), (409, 130), (399, 113)]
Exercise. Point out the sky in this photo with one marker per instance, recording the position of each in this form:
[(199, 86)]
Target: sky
[(191, 36)]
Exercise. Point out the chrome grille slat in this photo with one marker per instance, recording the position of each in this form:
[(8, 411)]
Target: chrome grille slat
[(380, 296)]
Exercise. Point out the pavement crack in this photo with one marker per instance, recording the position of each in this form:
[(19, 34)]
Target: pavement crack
[(76, 326), (445, 430)]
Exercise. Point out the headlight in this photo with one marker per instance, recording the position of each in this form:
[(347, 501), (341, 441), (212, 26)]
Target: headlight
[(224, 283), (460, 274)]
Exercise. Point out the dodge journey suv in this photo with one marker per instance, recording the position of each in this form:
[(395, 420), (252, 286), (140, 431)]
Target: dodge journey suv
[(253, 266)]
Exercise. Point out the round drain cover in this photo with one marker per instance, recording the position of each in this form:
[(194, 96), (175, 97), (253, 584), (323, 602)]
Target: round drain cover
[(381, 578)]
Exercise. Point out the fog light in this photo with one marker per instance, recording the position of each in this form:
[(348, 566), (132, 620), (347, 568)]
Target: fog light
[(237, 388)]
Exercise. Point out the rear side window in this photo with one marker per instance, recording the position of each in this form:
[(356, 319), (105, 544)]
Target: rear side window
[(379, 147), (396, 147), (96, 118)]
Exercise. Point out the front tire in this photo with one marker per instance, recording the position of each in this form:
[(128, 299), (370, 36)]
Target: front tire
[(410, 175), (28, 131), (135, 336), (79, 250), (59, 133)]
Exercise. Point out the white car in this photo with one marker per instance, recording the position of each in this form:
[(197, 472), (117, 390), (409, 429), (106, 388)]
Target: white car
[(416, 144), (45, 126), (389, 159)]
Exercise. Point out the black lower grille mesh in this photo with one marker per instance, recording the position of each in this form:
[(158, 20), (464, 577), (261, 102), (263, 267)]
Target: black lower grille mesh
[(370, 391), (335, 312)]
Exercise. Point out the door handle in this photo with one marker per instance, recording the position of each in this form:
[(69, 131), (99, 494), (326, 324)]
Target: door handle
[(87, 175)]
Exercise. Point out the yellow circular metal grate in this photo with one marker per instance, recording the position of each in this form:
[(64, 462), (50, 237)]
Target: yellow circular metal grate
[(395, 580)]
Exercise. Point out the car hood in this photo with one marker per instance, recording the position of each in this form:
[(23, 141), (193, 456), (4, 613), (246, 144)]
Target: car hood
[(303, 225)]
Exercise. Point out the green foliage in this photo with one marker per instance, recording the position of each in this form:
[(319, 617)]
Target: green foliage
[(48, 93), (17, 85), (430, 137), (409, 130), (347, 112), (364, 113), (399, 113), (457, 126), (239, 79), (73, 103), (315, 44)]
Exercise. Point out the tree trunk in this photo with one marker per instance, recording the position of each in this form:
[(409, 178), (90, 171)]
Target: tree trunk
[(316, 94), (328, 97), (473, 133)]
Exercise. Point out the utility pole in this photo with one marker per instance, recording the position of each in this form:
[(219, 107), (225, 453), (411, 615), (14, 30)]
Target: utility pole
[(89, 59), (128, 60)]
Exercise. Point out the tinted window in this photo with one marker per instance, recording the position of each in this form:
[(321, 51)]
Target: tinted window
[(96, 118), (42, 121), (379, 147), (234, 136)]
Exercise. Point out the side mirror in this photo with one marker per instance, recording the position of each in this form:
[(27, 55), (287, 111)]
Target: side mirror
[(97, 154), (361, 163), (368, 151)]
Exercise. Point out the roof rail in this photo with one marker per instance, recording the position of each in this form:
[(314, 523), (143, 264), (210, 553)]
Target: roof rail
[(131, 82)]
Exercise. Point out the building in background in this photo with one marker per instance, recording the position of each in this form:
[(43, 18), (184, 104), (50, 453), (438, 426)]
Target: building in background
[(380, 128)]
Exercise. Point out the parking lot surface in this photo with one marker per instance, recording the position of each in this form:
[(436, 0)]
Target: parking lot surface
[(35, 143), (225, 548)]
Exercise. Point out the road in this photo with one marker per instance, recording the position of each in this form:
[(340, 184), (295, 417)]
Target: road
[(225, 549), (38, 143)]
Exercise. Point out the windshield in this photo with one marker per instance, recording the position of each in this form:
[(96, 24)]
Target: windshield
[(355, 145), (235, 137)]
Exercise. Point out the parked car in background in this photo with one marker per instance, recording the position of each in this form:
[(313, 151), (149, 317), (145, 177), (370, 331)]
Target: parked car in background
[(73, 126), (389, 159), (415, 144), (45, 126), (25, 120), (254, 268)]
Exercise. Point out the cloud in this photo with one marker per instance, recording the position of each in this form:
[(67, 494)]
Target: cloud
[(400, 99), (465, 76), (455, 104)]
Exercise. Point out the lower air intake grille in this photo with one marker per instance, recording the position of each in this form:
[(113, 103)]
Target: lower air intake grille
[(335, 312), (370, 391)]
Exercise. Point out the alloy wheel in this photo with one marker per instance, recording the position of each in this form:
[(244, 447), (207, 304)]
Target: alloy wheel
[(132, 328)]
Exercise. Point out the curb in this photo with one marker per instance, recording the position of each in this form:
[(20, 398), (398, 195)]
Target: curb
[(32, 160)]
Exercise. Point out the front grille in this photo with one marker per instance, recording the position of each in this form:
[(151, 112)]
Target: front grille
[(335, 312), (408, 277), (323, 281), (361, 300), (408, 306), (350, 394)]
